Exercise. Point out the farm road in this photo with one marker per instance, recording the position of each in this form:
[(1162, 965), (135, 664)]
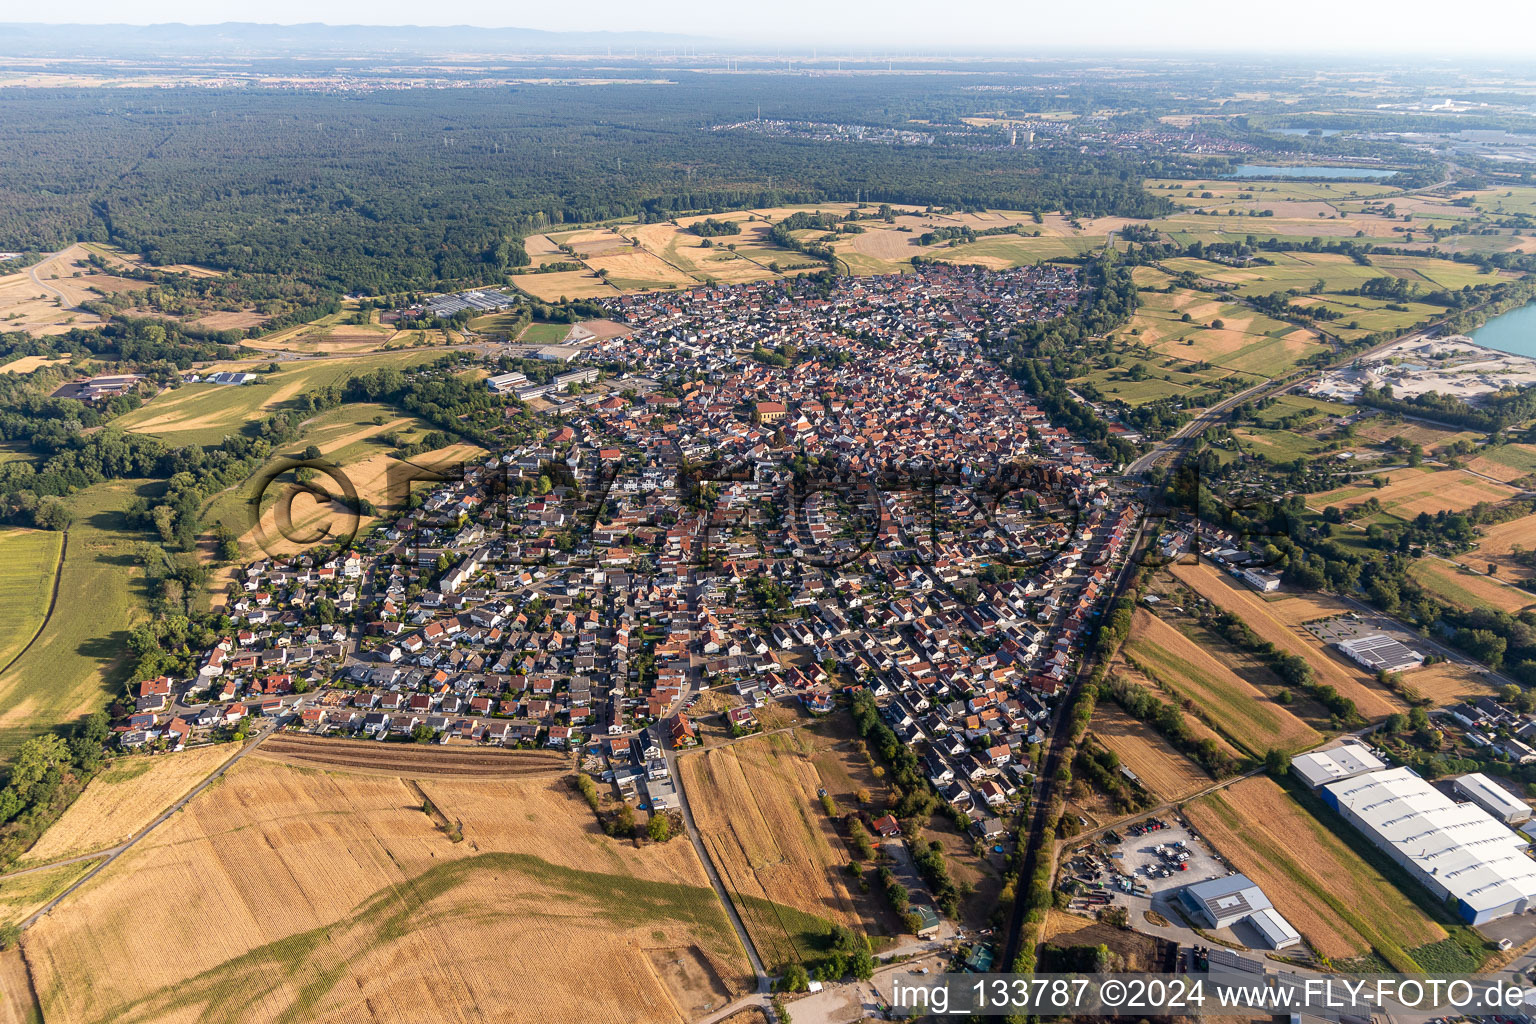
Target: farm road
[(45, 286), (115, 852), (714, 875)]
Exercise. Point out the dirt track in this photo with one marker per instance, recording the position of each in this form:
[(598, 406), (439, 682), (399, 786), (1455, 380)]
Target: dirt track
[(412, 759)]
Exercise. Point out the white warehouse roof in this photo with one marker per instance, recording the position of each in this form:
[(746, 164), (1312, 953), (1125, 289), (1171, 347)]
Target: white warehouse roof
[(1323, 766), (1458, 845), (1500, 802), (1277, 931)]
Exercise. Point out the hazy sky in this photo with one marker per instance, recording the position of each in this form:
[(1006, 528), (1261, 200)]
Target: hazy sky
[(1423, 27)]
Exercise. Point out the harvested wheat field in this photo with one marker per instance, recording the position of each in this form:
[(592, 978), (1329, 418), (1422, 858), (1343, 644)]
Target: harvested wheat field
[(23, 895), (1162, 769), (1340, 904), (1411, 491), (26, 364), (380, 479), (1448, 683), (756, 805), (636, 269), (124, 798), (17, 1006), (1349, 680), (1498, 544), (1232, 704), (330, 897), (564, 284)]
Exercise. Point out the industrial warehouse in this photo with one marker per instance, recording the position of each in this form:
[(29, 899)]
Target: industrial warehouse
[(1235, 899), (1454, 849)]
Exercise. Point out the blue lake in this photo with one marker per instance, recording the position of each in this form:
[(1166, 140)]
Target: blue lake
[(1308, 171), (1513, 332)]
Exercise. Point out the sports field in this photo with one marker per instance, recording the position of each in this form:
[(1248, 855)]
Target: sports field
[(1232, 705), (1339, 903), (310, 895)]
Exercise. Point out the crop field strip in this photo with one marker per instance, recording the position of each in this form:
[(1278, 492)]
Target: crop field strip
[(1284, 631), (400, 759), (30, 561), (1160, 767), (1469, 590), (72, 667), (123, 798), (755, 804), (1232, 706)]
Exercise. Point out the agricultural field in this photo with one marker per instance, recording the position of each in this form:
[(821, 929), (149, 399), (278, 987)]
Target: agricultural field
[(337, 339), (76, 663), (1227, 192), (29, 563), (638, 270), (1304, 270), (1232, 705), (1160, 767), (1411, 491), (565, 284), (1499, 544), (26, 364), (206, 413), (685, 251), (123, 798), (1245, 341), (1448, 682), (1196, 726), (24, 895), (1506, 463), (312, 895), (375, 474), (43, 298), (17, 1006), (1280, 621), (1470, 590), (1431, 438), (756, 805), (1341, 905)]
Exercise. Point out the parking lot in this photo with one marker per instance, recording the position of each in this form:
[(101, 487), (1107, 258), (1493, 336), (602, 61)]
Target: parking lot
[(1139, 862), (1140, 859)]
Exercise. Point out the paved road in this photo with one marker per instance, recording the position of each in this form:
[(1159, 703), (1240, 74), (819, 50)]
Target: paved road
[(45, 286), (117, 851), (763, 981), (1198, 425)]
